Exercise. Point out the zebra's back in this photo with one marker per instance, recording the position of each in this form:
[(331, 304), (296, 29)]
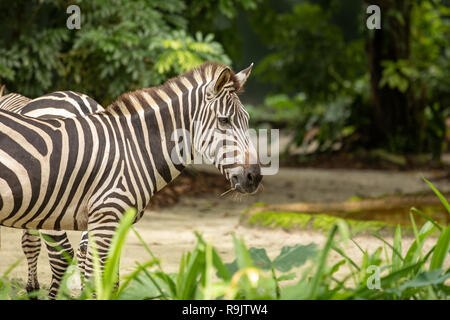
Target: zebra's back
[(13, 102), (59, 104)]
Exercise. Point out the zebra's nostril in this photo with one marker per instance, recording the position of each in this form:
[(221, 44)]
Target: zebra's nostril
[(250, 177), (234, 180)]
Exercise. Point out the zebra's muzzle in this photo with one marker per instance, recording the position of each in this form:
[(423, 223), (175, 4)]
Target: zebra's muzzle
[(248, 180)]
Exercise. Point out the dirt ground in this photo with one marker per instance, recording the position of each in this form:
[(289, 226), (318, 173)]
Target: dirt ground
[(170, 231)]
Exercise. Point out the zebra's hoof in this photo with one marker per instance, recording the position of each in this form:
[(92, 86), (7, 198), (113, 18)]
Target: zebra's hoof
[(31, 289)]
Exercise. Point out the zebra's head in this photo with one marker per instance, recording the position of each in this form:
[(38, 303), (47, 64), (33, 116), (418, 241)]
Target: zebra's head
[(222, 136)]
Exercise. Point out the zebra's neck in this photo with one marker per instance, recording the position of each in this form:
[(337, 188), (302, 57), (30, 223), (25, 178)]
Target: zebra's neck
[(157, 126)]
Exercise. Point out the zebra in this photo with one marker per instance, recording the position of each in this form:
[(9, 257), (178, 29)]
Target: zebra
[(82, 173), (57, 104)]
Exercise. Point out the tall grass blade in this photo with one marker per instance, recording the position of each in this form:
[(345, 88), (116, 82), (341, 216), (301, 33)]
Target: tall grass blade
[(441, 250), (394, 250), (12, 267), (222, 271), (111, 268), (315, 283), (427, 217), (97, 268), (416, 235), (397, 249), (193, 271), (208, 272), (147, 248), (426, 230), (440, 196), (342, 253), (132, 277), (167, 280)]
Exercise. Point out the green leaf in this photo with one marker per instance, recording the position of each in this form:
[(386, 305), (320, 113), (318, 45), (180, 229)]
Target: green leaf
[(412, 253), (294, 256), (243, 257), (441, 250), (289, 257), (427, 278), (427, 217), (397, 249), (440, 196), (194, 269), (222, 271), (111, 268), (260, 258), (289, 276), (315, 282), (129, 278), (145, 286)]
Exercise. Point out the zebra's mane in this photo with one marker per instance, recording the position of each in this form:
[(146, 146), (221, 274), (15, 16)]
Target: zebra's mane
[(206, 71)]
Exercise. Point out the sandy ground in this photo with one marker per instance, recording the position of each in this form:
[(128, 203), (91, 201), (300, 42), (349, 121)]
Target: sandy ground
[(170, 232)]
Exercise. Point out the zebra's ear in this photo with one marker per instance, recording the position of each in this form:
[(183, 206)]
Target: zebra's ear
[(222, 80), (243, 75)]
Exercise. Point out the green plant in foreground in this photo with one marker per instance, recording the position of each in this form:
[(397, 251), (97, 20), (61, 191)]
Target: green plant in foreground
[(414, 275), (202, 274)]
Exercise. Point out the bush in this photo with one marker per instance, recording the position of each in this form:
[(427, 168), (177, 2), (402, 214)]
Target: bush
[(121, 46), (323, 122)]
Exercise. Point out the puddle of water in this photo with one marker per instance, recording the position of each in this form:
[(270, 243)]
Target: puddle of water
[(397, 216)]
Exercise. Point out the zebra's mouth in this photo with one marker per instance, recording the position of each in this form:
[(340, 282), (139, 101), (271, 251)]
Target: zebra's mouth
[(236, 185), (246, 180), (239, 188), (245, 188)]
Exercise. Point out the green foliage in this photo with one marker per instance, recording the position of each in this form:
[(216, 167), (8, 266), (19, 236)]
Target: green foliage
[(289, 257), (320, 64), (253, 275), (424, 74), (121, 46), (323, 122), (396, 74), (180, 52), (315, 52), (220, 18)]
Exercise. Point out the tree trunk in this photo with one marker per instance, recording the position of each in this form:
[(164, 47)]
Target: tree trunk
[(397, 122)]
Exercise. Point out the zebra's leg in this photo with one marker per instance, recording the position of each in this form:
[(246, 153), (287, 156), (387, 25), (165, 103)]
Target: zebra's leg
[(82, 251), (31, 246), (101, 228), (60, 253)]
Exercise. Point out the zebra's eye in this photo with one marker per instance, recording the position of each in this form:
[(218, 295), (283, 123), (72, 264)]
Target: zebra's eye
[(224, 121)]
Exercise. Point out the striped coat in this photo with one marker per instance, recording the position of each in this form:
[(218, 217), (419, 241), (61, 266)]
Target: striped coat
[(54, 105)]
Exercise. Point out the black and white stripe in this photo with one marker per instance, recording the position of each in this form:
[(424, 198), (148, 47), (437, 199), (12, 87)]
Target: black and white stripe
[(13, 102), (58, 104), (82, 173)]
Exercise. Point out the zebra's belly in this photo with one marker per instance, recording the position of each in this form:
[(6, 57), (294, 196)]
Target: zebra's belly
[(72, 215)]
